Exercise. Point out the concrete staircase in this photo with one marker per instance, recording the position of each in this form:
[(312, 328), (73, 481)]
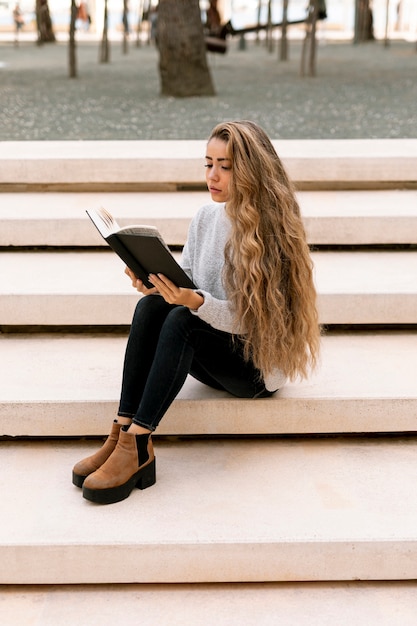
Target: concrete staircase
[(299, 509)]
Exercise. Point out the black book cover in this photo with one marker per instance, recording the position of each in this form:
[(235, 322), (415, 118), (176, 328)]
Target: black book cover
[(141, 248)]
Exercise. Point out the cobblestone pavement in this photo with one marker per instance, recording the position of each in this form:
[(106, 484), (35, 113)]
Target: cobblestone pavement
[(366, 91)]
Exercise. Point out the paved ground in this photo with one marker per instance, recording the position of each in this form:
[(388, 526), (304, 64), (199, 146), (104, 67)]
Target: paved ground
[(366, 91)]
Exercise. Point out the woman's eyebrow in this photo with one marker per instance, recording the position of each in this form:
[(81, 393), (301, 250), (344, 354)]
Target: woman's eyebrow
[(220, 159)]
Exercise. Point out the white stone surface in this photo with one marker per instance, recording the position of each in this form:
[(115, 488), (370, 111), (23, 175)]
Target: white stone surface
[(256, 604), (360, 217), (81, 288), (221, 511), (167, 162), (366, 287), (59, 219), (69, 385), (330, 217), (252, 510)]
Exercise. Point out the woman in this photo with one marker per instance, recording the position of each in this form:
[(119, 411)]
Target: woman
[(19, 21), (250, 325)]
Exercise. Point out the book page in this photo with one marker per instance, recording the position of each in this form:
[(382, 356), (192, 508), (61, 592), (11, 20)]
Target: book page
[(148, 231), (107, 226), (103, 221)]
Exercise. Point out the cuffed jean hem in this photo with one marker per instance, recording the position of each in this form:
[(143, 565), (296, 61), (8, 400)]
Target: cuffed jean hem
[(130, 416), (147, 426)]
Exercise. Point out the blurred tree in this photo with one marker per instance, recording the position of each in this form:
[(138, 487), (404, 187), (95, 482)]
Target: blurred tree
[(364, 23), (105, 44), (310, 42), (44, 22), (126, 27), (72, 52), (284, 39), (183, 66)]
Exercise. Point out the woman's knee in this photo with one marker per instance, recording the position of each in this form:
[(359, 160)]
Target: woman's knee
[(150, 306), (178, 322), (179, 317)]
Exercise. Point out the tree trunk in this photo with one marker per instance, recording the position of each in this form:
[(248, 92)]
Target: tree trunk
[(258, 20), (72, 44), (364, 23), (268, 32), (44, 22), (183, 67), (125, 41), (284, 38), (139, 23), (105, 46), (310, 40), (386, 38)]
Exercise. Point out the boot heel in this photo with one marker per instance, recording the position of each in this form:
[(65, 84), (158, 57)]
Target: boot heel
[(147, 476)]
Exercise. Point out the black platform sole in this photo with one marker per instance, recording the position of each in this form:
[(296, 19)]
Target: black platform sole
[(77, 479), (145, 477)]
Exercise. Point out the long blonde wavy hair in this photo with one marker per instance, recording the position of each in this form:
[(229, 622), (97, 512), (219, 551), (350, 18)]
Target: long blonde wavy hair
[(268, 271)]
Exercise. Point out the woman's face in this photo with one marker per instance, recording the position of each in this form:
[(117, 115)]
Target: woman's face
[(218, 170)]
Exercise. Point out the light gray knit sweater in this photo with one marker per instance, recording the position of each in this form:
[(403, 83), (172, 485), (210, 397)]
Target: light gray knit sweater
[(203, 261)]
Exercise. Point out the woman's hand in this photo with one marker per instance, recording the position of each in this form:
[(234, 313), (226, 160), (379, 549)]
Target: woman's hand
[(138, 284), (176, 295)]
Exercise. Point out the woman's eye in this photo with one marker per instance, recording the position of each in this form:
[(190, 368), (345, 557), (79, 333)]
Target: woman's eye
[(208, 165)]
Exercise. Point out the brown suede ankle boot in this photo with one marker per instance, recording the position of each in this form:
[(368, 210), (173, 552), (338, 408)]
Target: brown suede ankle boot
[(132, 464), (89, 465)]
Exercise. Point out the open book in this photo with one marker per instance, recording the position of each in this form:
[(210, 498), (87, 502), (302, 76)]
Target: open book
[(141, 248)]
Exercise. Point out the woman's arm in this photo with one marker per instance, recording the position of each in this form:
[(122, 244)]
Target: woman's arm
[(218, 313), (176, 295), (203, 259), (168, 290)]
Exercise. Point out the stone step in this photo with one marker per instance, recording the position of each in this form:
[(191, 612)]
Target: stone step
[(171, 164), (331, 217), (221, 511), (261, 604), (68, 386), (90, 288)]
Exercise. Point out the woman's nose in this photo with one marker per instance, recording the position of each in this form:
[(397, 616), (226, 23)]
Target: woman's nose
[(213, 173)]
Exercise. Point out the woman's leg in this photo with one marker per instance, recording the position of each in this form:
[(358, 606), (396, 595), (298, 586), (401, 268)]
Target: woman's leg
[(186, 345), (160, 355), (148, 319), (131, 462), (149, 316)]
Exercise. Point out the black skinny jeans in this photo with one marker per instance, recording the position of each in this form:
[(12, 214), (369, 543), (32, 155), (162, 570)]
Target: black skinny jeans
[(166, 343)]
